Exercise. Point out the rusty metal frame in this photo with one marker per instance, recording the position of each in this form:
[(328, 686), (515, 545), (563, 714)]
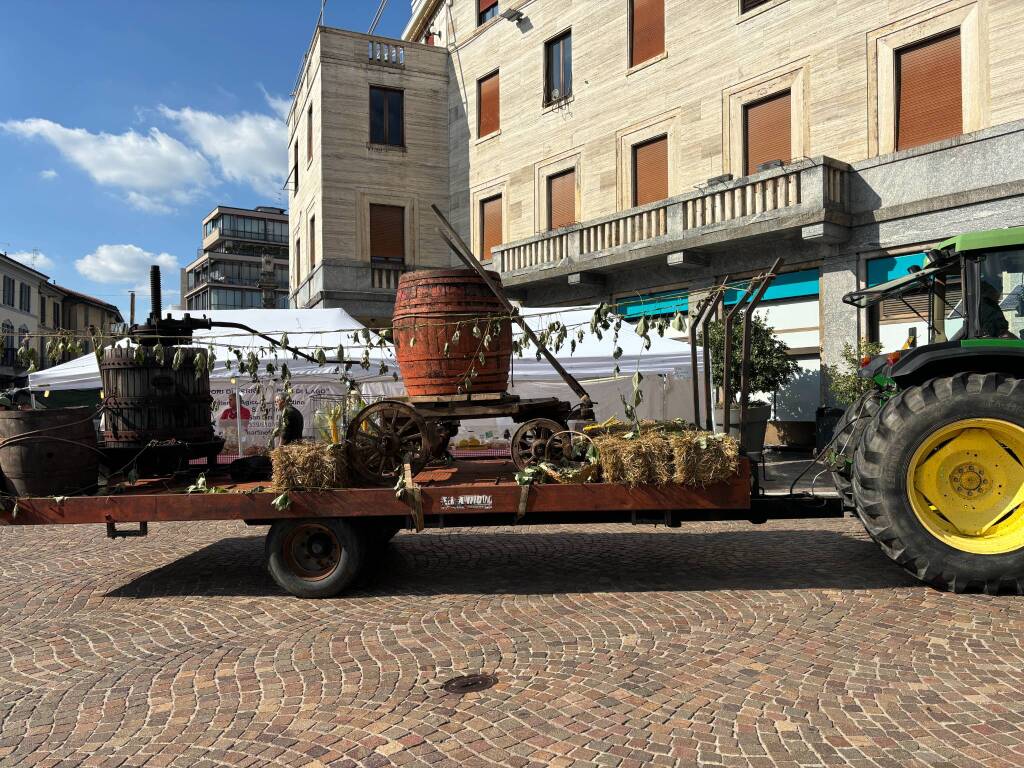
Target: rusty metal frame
[(748, 316), (701, 318)]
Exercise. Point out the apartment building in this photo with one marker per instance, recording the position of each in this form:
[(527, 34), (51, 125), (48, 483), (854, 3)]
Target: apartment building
[(368, 152), (243, 261), (633, 150), (83, 315), (19, 305)]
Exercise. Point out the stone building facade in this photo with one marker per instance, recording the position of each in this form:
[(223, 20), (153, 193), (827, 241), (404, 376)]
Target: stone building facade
[(857, 197), (368, 156), (636, 150)]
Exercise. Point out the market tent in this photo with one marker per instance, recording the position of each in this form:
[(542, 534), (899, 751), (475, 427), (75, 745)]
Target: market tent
[(306, 328)]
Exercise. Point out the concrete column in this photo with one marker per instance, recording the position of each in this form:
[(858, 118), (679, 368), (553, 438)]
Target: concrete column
[(676, 219), (840, 322)]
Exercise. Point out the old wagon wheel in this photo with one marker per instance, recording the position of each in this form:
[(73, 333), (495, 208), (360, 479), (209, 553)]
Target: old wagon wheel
[(382, 437), (532, 443)]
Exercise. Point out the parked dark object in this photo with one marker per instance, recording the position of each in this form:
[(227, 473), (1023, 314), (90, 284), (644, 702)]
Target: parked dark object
[(250, 468), (825, 421), (48, 453)]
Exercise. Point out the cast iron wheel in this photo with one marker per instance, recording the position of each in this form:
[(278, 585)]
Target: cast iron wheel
[(316, 557), (939, 482), (382, 437), (532, 442), (849, 432)]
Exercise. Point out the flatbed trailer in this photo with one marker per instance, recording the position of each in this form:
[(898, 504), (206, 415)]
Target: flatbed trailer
[(320, 540)]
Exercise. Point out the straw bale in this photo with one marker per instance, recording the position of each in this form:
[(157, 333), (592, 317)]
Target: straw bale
[(701, 458), (311, 466), (659, 456)]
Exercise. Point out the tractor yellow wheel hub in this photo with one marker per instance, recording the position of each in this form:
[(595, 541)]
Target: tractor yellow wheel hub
[(966, 485)]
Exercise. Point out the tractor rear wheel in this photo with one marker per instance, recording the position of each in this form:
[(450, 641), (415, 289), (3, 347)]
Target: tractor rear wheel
[(939, 482), (849, 432)]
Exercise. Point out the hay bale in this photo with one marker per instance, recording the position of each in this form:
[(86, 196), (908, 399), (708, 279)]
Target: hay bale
[(702, 458), (310, 466), (642, 460)]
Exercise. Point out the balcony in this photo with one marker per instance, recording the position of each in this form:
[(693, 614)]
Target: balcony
[(365, 290), (807, 197)]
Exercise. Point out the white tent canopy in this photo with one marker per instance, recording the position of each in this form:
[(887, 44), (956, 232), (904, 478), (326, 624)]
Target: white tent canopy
[(307, 329)]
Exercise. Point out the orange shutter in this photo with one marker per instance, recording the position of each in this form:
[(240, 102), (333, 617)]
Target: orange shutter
[(650, 171), (487, 5), (648, 30), (488, 105), (928, 83), (767, 131), (490, 226), (387, 232), (562, 200)]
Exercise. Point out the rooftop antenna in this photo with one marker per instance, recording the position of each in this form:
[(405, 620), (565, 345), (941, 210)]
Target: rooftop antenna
[(320, 21), (377, 16)]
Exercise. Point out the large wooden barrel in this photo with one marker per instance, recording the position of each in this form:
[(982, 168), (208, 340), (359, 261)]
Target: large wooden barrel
[(439, 307), (147, 399), (57, 455)]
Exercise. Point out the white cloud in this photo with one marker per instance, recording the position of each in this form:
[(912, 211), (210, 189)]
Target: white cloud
[(154, 170), (125, 264), (280, 106), (35, 259), (247, 148), (48, 175)]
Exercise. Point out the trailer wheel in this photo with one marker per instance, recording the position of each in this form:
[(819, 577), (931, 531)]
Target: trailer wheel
[(849, 433), (316, 557), (939, 482)]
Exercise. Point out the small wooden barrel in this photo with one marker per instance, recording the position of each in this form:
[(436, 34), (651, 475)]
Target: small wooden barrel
[(438, 307), (57, 456)]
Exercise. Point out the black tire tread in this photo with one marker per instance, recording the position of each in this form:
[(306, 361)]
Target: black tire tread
[(873, 452), (849, 433)]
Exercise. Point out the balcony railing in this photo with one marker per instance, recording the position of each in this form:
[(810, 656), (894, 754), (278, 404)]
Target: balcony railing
[(385, 276), (241, 234), (386, 52), (806, 186)]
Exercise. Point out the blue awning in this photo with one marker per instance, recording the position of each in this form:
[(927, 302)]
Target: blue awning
[(890, 267), (791, 285), (654, 304)]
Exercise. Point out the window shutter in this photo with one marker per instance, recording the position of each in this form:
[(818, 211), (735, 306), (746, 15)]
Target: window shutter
[(929, 96), (648, 38), (490, 226), (486, 5), (749, 5), (767, 131), (562, 200), (387, 232), (650, 171), (488, 106)]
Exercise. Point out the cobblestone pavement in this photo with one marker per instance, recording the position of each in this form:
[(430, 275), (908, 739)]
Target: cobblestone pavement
[(791, 644)]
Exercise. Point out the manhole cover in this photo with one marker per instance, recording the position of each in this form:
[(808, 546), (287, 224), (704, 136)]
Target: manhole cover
[(469, 683)]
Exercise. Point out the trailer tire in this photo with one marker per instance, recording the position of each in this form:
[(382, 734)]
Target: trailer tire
[(316, 557), (935, 478), (848, 435)]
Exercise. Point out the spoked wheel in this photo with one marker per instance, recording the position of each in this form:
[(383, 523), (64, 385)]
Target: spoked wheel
[(382, 437), (939, 482), (316, 557), (535, 441)]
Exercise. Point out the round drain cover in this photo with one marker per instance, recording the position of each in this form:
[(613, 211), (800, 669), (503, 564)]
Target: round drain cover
[(469, 683)]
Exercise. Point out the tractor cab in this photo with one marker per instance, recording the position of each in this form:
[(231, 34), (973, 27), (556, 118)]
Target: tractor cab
[(974, 307)]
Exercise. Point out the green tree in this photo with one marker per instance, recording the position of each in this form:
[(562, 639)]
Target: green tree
[(846, 385), (771, 367)]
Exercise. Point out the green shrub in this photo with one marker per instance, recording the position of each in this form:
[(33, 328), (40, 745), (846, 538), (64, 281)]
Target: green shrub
[(771, 367), (846, 385)]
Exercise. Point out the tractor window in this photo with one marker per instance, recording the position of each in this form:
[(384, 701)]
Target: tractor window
[(1001, 311)]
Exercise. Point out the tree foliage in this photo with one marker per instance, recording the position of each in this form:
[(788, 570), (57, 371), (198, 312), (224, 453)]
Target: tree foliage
[(771, 367), (846, 385)]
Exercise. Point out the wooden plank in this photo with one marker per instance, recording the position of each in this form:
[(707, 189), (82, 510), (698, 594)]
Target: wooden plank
[(438, 499)]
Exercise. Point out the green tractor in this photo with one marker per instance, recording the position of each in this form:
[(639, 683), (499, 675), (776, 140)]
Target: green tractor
[(932, 456)]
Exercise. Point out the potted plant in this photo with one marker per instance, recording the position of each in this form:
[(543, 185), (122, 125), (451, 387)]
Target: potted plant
[(770, 369)]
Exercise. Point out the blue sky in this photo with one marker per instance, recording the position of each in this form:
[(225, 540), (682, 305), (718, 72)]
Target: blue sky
[(122, 124)]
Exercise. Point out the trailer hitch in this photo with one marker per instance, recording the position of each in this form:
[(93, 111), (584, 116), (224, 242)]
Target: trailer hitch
[(113, 532)]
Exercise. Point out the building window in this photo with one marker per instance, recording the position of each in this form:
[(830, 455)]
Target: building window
[(558, 68), (56, 315), (295, 158), (25, 297), (312, 242), (42, 309), (928, 91), (488, 105), (646, 30), (309, 133), (387, 235), (387, 117), (749, 5), (488, 9), (9, 291), (562, 199), (10, 346), (650, 171), (490, 226), (298, 260), (766, 131)]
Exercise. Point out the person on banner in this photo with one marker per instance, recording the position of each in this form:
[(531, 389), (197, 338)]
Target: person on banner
[(290, 423), (233, 425), (233, 412)]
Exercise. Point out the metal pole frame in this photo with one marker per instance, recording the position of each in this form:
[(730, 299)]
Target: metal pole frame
[(748, 316), (705, 325), (697, 320), (727, 356)]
